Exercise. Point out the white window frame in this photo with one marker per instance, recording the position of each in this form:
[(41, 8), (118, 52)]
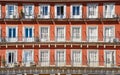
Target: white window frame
[(73, 62), (60, 63), (113, 35), (60, 16), (15, 58), (111, 13), (93, 64), (44, 63), (56, 37), (95, 38), (96, 13), (43, 39), (0, 11), (7, 34), (40, 11), (28, 39), (15, 11), (111, 64), (27, 63), (80, 11), (80, 34), (28, 16)]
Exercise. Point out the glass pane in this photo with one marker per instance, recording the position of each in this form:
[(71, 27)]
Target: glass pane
[(14, 32), (10, 33), (26, 32), (30, 32)]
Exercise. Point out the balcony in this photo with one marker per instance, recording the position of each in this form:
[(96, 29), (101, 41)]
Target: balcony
[(61, 69), (62, 43), (51, 18)]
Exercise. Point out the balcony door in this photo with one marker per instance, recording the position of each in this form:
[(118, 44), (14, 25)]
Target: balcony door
[(28, 34), (12, 34)]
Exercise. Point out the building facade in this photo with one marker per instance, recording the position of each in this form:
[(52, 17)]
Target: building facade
[(49, 37)]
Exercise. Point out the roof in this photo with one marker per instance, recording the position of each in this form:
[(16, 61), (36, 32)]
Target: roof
[(57, 0)]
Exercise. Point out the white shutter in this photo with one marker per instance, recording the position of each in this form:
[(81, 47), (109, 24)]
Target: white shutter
[(32, 11), (48, 11), (6, 11), (64, 11), (16, 11)]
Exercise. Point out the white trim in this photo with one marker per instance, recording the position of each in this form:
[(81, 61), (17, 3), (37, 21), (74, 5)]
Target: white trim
[(80, 11), (93, 36), (48, 34), (64, 39), (29, 16), (77, 64), (61, 16), (14, 51), (93, 64), (44, 16), (113, 14), (59, 63), (80, 39), (28, 39), (15, 12), (107, 26), (96, 14), (27, 63), (7, 33), (107, 65), (43, 63)]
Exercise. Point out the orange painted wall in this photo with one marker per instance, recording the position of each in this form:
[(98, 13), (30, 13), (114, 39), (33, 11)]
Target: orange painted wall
[(68, 30)]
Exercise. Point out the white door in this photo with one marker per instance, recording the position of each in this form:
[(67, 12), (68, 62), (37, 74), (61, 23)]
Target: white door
[(109, 58), (92, 34), (93, 58), (60, 58)]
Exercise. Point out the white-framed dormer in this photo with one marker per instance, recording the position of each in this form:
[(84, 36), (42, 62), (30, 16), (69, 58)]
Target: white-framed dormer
[(28, 33), (12, 33), (60, 11), (76, 57), (44, 33), (92, 33), (60, 33), (44, 57), (11, 10), (76, 11), (11, 57), (27, 57), (92, 57), (60, 57), (108, 33), (76, 33), (28, 10), (44, 11), (92, 10), (109, 10), (109, 58)]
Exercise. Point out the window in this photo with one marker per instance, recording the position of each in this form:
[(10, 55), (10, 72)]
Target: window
[(93, 58), (76, 11), (11, 56), (60, 58), (44, 57), (11, 11), (60, 11), (12, 33), (28, 34), (92, 34), (92, 11), (109, 10), (76, 34), (109, 58), (27, 56), (60, 34), (109, 33), (44, 34), (44, 11), (29, 11), (76, 57)]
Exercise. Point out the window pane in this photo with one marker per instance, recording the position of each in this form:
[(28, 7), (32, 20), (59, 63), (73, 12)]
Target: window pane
[(26, 32), (14, 32), (30, 32), (10, 33)]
